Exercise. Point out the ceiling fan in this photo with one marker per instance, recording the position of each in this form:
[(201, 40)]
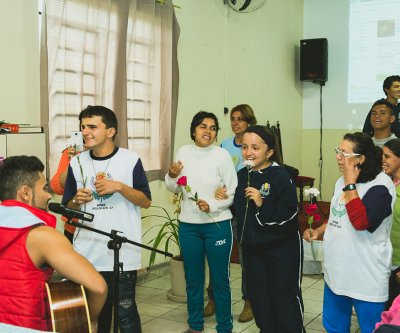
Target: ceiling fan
[(244, 6)]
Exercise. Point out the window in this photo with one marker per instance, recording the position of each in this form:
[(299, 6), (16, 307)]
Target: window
[(142, 102), (90, 64)]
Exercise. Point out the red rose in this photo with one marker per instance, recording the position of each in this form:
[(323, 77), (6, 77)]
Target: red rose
[(317, 217), (182, 181), (310, 209)]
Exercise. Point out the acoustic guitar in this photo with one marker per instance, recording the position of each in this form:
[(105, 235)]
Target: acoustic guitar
[(68, 307)]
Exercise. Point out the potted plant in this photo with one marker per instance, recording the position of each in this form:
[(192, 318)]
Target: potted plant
[(167, 235)]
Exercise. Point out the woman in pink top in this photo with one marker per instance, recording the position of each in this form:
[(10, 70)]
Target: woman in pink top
[(390, 317)]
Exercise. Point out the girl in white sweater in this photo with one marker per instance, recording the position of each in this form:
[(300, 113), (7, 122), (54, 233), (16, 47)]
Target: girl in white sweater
[(205, 228)]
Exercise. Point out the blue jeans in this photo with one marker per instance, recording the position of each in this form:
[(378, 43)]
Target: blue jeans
[(129, 319)]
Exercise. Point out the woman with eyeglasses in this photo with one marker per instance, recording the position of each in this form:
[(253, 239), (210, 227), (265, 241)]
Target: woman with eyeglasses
[(357, 248), (391, 166)]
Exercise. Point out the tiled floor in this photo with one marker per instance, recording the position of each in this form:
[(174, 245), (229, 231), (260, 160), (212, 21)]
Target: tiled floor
[(158, 314)]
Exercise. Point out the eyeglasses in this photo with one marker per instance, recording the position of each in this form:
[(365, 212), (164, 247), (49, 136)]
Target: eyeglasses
[(340, 152)]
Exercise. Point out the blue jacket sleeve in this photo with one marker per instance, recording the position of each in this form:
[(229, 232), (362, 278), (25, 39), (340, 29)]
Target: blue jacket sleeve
[(378, 203), (140, 182), (70, 187)]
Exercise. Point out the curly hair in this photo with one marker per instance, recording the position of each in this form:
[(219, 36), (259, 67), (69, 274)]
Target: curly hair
[(364, 145), (16, 171)]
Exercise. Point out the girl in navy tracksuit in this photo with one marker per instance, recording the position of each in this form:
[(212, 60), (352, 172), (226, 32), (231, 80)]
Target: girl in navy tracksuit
[(266, 208)]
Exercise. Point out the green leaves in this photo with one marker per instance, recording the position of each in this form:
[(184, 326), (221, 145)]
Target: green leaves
[(195, 197), (84, 179), (168, 231)]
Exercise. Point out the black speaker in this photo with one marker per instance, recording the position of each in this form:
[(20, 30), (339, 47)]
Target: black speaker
[(314, 60)]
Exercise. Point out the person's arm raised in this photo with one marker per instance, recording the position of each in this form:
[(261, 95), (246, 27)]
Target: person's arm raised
[(47, 246)]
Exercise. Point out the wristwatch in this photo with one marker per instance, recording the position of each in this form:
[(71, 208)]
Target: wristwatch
[(349, 187)]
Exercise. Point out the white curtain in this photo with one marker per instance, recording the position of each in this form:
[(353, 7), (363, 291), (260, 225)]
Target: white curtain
[(116, 53)]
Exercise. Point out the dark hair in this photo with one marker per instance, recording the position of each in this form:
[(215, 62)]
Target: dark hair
[(198, 119), (394, 146), (364, 145), (247, 113), (107, 116), (384, 101), (16, 171), (388, 82), (269, 137)]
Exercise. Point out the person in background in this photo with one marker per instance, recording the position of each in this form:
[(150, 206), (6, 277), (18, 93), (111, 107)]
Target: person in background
[(382, 117), (390, 319), (110, 183), (357, 248), (57, 184), (391, 166), (242, 116), (30, 249), (204, 222), (391, 88), (268, 230)]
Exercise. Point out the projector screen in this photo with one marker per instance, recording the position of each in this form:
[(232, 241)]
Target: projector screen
[(363, 49), (374, 47)]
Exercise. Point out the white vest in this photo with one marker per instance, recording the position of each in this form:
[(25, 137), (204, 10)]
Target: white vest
[(110, 211)]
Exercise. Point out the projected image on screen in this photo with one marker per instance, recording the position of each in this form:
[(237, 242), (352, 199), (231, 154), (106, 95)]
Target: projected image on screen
[(374, 45)]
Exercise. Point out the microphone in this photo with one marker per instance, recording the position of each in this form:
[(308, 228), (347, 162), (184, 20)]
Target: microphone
[(69, 212)]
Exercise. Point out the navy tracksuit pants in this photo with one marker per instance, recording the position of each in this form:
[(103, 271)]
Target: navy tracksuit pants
[(273, 278)]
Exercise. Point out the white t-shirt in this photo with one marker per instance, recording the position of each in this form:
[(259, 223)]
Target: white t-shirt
[(357, 263), (381, 142)]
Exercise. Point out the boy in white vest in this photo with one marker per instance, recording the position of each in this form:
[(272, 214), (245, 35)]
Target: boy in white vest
[(110, 183)]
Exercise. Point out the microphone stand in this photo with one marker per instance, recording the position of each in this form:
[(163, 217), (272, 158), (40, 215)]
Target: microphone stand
[(115, 244)]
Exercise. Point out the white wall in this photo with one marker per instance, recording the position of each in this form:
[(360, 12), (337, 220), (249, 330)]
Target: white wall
[(228, 58), (321, 21), (19, 62)]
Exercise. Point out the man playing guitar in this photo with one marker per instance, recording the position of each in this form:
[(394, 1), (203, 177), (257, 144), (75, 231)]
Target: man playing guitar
[(30, 249)]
